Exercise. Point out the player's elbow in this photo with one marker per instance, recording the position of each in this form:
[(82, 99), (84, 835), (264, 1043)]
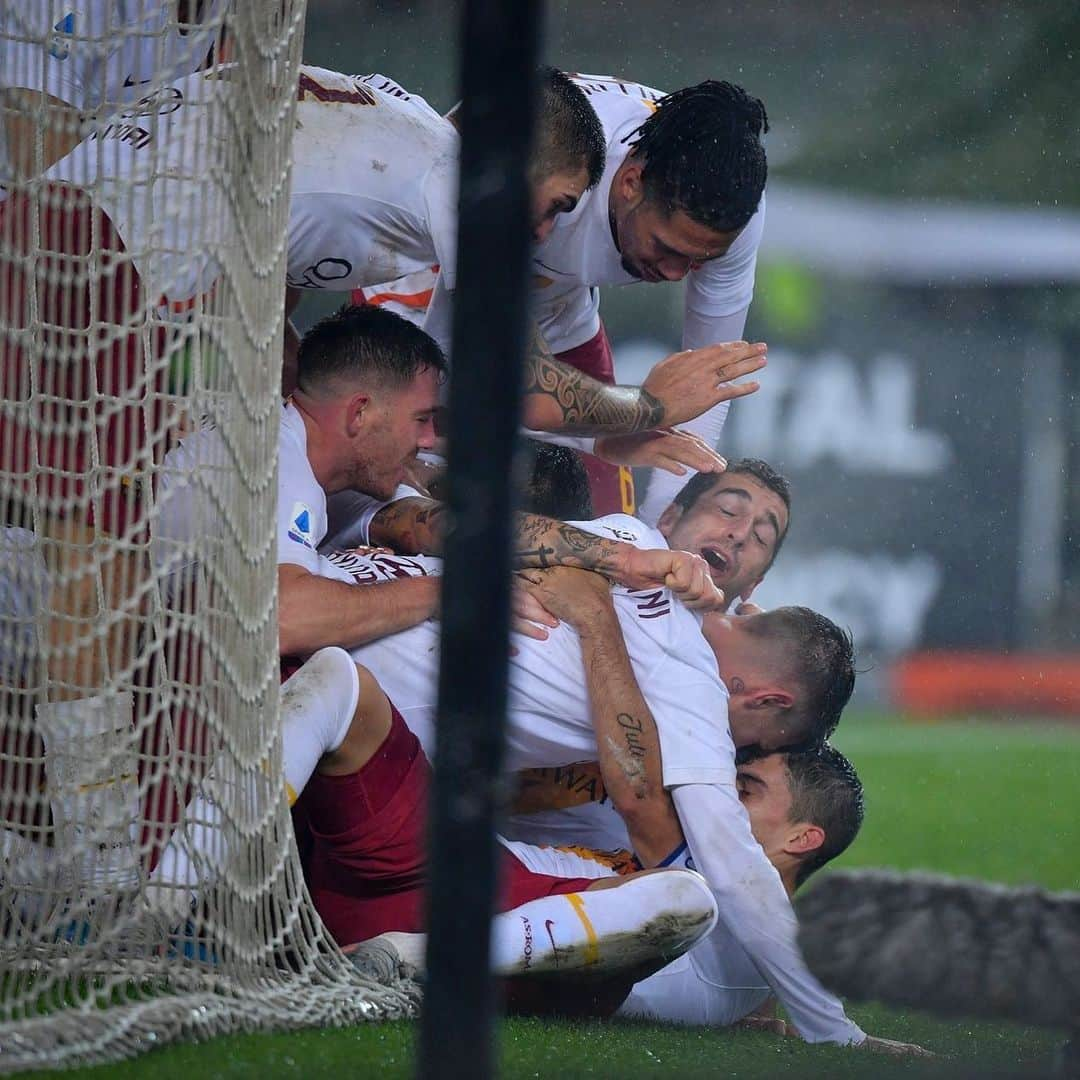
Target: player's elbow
[(651, 823), (540, 412), (294, 629), (292, 641)]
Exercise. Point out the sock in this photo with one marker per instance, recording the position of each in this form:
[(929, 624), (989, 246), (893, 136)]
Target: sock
[(664, 486), (652, 917), (317, 706), (92, 782)]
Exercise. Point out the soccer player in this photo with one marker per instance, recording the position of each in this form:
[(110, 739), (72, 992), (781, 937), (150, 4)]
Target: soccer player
[(661, 822), (805, 808), (682, 196), (382, 204), (103, 239), (735, 520)]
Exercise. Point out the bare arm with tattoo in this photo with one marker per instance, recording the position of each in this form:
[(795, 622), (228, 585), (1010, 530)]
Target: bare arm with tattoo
[(558, 397), (628, 746), (415, 526)]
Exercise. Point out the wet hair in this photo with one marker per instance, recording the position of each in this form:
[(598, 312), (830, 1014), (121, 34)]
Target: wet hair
[(821, 658), (703, 155), (825, 791), (558, 485), (702, 483), (569, 133), (364, 342)]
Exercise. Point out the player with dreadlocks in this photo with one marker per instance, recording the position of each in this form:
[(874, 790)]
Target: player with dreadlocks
[(681, 197)]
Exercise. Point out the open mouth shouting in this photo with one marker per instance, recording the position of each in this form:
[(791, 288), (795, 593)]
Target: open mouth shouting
[(717, 560)]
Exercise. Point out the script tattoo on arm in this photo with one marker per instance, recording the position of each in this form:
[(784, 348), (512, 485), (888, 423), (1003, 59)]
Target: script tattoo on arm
[(544, 542), (581, 405), (627, 741)]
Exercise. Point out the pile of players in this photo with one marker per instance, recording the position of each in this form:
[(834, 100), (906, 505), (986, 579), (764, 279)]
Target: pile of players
[(668, 740)]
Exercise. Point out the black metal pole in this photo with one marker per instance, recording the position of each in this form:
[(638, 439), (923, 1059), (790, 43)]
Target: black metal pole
[(500, 53)]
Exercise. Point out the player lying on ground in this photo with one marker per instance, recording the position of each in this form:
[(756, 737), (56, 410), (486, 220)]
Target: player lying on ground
[(792, 677), (682, 196), (363, 783), (638, 806), (384, 204), (805, 808)]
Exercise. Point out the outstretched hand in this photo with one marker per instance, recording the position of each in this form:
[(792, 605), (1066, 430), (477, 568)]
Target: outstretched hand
[(894, 1048), (689, 383), (673, 451)]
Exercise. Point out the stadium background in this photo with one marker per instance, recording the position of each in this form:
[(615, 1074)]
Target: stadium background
[(922, 393), (917, 287)]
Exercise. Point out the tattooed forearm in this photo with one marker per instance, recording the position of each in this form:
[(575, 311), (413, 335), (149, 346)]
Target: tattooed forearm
[(627, 740), (544, 542), (632, 729), (565, 399), (412, 526)]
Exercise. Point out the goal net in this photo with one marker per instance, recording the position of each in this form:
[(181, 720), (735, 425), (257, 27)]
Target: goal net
[(150, 887)]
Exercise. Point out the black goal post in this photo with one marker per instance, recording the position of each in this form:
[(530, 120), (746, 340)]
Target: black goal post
[(499, 58)]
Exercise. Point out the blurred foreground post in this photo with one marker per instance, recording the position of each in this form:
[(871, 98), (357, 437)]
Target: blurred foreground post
[(491, 304)]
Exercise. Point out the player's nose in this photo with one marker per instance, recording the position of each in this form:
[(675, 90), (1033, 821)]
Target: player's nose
[(738, 530), (673, 270), (426, 438), (542, 231)]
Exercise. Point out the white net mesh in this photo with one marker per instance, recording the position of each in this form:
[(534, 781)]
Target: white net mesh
[(144, 160)]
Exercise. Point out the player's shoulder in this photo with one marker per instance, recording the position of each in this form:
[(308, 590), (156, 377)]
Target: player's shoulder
[(630, 530), (333, 87), (617, 88), (618, 101)]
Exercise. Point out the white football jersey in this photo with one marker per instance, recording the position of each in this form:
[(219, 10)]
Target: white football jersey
[(196, 489), (156, 169), (99, 54), (374, 187), (580, 253)]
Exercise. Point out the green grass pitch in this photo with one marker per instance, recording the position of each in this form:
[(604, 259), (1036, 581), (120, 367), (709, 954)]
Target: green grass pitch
[(992, 800)]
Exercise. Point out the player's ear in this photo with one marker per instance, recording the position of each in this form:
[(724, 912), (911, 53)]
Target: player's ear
[(775, 698), (668, 519), (631, 186), (357, 412), (804, 838)]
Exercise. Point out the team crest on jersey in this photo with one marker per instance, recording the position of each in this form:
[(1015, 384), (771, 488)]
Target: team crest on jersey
[(60, 39), (300, 529)]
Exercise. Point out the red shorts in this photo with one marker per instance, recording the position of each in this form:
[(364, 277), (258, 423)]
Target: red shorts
[(366, 867), (80, 378), (612, 486)]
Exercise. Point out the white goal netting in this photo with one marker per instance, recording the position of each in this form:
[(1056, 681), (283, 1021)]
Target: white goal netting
[(144, 170)]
